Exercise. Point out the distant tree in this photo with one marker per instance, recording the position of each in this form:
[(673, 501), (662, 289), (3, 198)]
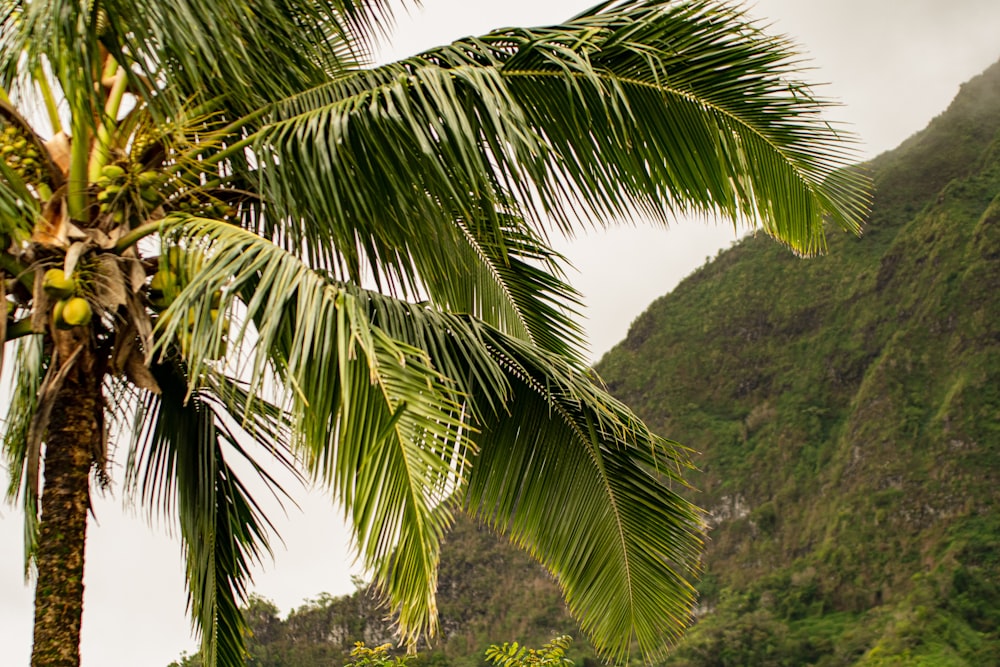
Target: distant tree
[(191, 194)]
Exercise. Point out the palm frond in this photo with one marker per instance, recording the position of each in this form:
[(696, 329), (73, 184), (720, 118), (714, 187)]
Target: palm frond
[(376, 421), (397, 456), (506, 276), (61, 36), (332, 167), (624, 545), (227, 48), (19, 209), (537, 430), (29, 369), (150, 477), (369, 20), (179, 466), (657, 107)]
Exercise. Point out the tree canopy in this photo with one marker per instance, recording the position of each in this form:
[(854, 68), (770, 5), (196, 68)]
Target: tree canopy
[(272, 250)]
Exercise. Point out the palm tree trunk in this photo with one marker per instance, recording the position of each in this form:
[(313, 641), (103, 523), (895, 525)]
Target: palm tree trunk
[(73, 435)]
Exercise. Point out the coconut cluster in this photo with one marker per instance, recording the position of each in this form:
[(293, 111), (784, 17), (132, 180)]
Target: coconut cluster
[(167, 283), (71, 310), (116, 184), (20, 154)]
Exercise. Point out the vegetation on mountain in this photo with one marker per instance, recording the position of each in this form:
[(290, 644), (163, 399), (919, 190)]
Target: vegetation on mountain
[(487, 590), (215, 180), (846, 414)]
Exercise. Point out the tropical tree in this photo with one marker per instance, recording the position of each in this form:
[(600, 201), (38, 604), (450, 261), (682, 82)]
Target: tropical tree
[(228, 235)]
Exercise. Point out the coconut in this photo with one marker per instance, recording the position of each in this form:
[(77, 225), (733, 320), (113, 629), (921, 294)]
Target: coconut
[(163, 289), (148, 179), (57, 284), (74, 312), (113, 172)]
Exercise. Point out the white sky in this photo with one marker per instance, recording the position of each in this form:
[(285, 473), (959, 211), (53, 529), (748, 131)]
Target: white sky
[(894, 64)]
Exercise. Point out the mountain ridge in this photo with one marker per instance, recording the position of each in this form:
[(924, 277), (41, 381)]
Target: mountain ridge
[(844, 407)]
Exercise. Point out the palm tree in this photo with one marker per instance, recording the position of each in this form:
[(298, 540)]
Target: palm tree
[(228, 236)]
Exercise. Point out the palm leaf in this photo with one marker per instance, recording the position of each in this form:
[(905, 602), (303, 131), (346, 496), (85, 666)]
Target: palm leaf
[(624, 545), (376, 422), (539, 431), (362, 129), (19, 210), (227, 48), (505, 275), (661, 108), (29, 368), (58, 37), (178, 466)]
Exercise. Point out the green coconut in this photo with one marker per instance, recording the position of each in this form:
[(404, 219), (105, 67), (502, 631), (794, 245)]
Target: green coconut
[(75, 312), (163, 289), (58, 285)]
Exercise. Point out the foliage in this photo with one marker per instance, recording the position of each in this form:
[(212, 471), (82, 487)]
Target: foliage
[(487, 589), (216, 180), (847, 424), (846, 419), (551, 654), (379, 656)]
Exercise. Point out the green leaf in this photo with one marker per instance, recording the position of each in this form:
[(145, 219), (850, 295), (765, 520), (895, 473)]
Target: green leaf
[(29, 369), (624, 544), (373, 418), (657, 108), (179, 465), (399, 405)]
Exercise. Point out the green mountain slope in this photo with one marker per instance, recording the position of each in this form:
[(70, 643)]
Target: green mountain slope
[(846, 411)]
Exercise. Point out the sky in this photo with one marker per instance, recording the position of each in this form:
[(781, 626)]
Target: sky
[(893, 64)]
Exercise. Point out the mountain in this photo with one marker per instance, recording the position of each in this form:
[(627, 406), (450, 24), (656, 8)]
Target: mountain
[(844, 415)]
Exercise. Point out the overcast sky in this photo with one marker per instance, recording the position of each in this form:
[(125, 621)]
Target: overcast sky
[(894, 64)]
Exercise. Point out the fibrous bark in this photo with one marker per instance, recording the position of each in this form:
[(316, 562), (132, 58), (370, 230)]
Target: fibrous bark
[(72, 437)]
